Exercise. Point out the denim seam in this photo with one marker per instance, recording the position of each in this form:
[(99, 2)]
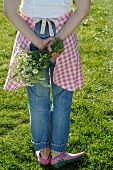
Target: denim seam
[(58, 148), (56, 145), (40, 143)]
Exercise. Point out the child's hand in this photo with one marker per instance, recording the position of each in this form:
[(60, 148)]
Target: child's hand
[(54, 56), (46, 43)]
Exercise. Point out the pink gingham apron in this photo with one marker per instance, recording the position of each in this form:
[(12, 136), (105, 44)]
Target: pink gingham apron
[(67, 71)]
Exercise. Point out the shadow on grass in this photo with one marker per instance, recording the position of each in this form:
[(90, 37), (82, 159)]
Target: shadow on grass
[(6, 127), (109, 113)]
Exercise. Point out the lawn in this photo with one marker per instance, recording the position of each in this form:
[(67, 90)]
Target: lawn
[(92, 109)]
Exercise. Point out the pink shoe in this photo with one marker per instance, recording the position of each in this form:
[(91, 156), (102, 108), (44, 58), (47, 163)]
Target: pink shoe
[(65, 158), (40, 160)]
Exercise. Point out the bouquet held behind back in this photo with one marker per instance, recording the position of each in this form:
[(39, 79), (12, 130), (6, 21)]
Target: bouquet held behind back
[(30, 64)]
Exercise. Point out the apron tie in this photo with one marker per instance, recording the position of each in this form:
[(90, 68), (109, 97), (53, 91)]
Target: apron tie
[(43, 25)]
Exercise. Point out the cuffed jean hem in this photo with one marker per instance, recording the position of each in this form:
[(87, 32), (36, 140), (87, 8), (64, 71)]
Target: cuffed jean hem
[(58, 148), (40, 146)]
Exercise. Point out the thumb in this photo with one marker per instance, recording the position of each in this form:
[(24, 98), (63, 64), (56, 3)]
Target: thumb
[(49, 46), (48, 40)]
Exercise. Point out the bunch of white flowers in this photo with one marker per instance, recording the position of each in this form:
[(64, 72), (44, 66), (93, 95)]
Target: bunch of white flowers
[(29, 65)]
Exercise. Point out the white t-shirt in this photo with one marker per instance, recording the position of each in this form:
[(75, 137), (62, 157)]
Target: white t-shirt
[(45, 8)]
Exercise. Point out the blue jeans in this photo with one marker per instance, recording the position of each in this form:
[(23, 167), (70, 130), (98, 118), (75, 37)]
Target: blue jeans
[(49, 125)]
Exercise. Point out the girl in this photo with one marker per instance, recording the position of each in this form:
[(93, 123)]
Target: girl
[(38, 24)]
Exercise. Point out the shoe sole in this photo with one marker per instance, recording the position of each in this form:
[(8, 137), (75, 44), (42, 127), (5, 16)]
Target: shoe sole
[(44, 165), (63, 163)]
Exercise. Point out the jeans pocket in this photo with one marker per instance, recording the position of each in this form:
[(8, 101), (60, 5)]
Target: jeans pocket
[(37, 90)]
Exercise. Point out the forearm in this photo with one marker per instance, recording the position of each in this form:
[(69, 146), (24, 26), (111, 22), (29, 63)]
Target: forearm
[(10, 11), (75, 20), (23, 27)]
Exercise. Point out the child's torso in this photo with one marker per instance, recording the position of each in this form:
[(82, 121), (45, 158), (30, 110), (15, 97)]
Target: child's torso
[(45, 8)]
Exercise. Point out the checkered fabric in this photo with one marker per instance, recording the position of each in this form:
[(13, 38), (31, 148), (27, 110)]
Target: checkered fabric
[(68, 70)]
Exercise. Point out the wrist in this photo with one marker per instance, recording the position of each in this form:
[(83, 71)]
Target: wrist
[(38, 42), (60, 36)]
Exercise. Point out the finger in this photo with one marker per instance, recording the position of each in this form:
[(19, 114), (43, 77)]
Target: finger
[(53, 54), (51, 58), (50, 39), (49, 46), (58, 54)]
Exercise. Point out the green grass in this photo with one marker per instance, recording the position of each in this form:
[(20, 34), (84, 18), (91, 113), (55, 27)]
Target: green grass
[(92, 109)]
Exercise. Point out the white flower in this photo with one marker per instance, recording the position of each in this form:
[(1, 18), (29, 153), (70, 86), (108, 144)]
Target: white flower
[(19, 59), (24, 75), (25, 60), (35, 71), (18, 79), (40, 59), (33, 62), (23, 71), (27, 84)]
